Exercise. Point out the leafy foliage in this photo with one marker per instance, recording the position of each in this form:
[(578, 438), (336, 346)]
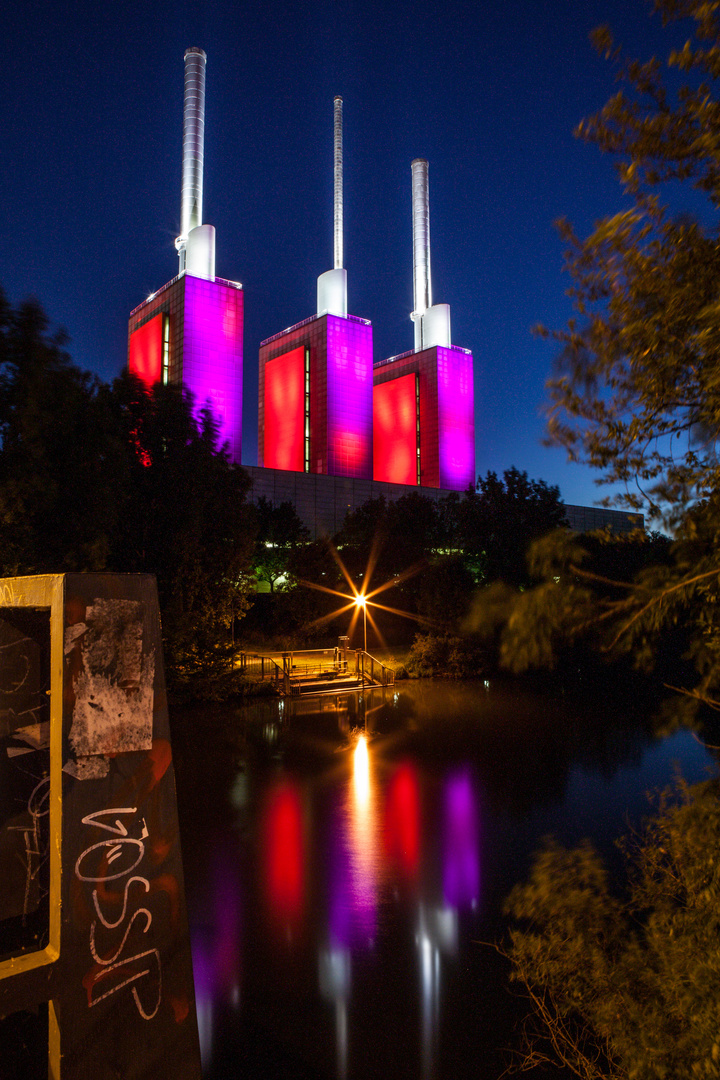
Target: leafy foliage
[(447, 655), (625, 986), (186, 521), (637, 392), (496, 523), (58, 450)]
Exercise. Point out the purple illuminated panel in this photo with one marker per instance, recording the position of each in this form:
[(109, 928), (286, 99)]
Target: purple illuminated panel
[(212, 354), (349, 398), (456, 419)]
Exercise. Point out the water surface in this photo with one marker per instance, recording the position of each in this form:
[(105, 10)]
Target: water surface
[(345, 857)]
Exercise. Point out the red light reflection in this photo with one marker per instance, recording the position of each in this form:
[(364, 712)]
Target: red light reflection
[(402, 833), (284, 856)]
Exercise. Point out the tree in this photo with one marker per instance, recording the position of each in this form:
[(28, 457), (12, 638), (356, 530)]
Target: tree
[(636, 394), (185, 520), (625, 986), (279, 533), (62, 460), (119, 478), (499, 520)]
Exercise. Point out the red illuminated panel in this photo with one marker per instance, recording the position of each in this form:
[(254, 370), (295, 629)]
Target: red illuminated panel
[(285, 412), (146, 346), (395, 431)]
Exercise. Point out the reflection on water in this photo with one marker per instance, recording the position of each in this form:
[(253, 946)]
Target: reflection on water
[(355, 853), (284, 860), (216, 952), (461, 866)]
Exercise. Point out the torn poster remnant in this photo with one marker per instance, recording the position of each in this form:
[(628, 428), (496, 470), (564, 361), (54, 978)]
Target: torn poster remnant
[(113, 710)]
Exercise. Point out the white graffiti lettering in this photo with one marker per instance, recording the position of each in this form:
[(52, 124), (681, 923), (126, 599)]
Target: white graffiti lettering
[(93, 867)]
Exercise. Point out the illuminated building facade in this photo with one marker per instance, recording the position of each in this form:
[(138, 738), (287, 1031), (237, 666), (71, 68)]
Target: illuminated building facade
[(315, 398), (315, 380), (424, 419), (424, 401), (191, 332)]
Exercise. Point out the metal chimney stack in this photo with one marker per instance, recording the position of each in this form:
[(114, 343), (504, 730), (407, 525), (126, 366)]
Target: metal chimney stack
[(422, 288), (332, 285), (193, 148), (338, 195)]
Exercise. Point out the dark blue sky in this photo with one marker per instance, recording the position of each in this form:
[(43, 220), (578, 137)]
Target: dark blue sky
[(488, 92)]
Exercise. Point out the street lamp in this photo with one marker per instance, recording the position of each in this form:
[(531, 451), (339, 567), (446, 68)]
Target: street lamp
[(360, 603)]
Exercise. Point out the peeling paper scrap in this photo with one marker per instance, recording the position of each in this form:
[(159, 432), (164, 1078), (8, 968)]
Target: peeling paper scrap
[(92, 768), (72, 633), (37, 736)]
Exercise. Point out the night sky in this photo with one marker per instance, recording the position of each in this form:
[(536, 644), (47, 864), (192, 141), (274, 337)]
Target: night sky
[(489, 92)]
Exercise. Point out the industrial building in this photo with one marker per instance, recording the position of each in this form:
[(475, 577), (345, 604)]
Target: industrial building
[(335, 429), (191, 330)]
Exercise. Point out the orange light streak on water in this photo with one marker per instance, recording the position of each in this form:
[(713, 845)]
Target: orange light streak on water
[(363, 842)]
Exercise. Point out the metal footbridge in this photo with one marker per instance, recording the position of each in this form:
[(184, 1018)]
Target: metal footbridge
[(298, 673)]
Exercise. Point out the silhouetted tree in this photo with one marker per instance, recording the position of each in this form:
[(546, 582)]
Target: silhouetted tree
[(279, 533), (62, 467), (498, 521), (122, 479)]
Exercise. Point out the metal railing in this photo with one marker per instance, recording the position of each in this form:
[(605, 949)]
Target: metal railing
[(306, 322), (373, 670), (414, 352), (289, 670)]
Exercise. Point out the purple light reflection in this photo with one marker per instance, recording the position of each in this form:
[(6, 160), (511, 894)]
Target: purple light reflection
[(461, 860), (216, 953)]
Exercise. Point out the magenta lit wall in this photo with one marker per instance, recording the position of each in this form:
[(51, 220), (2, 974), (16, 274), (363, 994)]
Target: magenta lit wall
[(349, 398), (212, 359), (456, 418)]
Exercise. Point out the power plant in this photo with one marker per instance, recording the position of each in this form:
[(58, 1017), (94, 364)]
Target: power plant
[(324, 408)]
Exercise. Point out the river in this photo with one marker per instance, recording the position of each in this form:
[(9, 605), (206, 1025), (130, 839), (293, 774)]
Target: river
[(345, 859)]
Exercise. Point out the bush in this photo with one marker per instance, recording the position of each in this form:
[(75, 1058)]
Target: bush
[(447, 656)]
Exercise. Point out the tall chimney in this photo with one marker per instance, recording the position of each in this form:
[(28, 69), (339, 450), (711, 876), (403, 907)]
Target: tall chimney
[(193, 148), (332, 285), (422, 287), (338, 199)]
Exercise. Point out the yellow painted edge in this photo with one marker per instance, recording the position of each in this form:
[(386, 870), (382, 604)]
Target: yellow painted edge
[(57, 637), (53, 1043), (57, 641), (45, 591)]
